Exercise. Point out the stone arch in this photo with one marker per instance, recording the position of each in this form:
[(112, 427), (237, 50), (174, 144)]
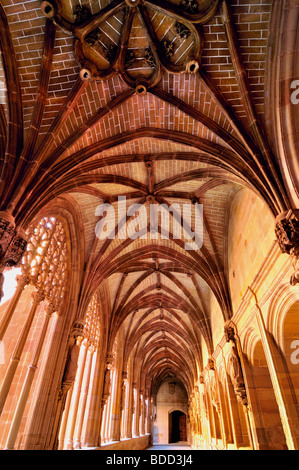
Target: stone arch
[(268, 429)]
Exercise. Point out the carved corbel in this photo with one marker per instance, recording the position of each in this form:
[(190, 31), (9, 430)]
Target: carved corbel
[(15, 250), (77, 333), (62, 392), (287, 234)]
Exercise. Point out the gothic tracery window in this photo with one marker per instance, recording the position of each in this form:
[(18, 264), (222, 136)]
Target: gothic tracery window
[(92, 325), (45, 263)]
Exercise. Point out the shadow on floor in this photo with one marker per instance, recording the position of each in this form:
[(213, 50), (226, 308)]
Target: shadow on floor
[(173, 446)]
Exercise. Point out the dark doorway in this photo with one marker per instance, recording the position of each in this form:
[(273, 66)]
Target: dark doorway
[(177, 427)]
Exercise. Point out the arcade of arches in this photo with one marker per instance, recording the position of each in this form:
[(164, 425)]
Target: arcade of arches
[(149, 224)]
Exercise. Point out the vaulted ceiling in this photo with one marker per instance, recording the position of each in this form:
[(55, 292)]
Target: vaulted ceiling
[(160, 102)]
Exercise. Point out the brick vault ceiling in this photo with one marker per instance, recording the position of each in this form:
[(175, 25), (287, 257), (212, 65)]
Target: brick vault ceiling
[(81, 129)]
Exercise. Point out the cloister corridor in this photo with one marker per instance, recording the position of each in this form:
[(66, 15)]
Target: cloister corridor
[(149, 225)]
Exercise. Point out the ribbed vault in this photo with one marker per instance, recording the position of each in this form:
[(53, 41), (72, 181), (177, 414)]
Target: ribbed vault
[(80, 129)]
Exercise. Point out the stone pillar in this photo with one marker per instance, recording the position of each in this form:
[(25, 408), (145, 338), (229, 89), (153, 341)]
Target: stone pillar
[(66, 391), (15, 425), (105, 398), (136, 431), (83, 397), (76, 395), (91, 432), (129, 413), (64, 403), (215, 398), (37, 297), (117, 398), (107, 434), (116, 408), (149, 416), (143, 415), (12, 245), (123, 403), (206, 431)]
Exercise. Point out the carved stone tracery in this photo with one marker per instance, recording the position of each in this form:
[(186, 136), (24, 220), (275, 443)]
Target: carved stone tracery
[(92, 324), (45, 261)]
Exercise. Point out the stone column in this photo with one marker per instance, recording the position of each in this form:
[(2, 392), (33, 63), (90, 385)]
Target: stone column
[(215, 398), (107, 434), (117, 401), (22, 281), (143, 414), (37, 297), (129, 413), (15, 425), (75, 396), (205, 412), (64, 400), (91, 431), (137, 414), (104, 421), (105, 398), (123, 403), (149, 416), (66, 391), (83, 398)]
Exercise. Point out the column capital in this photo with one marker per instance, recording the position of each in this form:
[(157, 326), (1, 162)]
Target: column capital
[(50, 309), (37, 297), (109, 360), (229, 332)]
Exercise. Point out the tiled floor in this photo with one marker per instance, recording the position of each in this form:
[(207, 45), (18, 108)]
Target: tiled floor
[(174, 446)]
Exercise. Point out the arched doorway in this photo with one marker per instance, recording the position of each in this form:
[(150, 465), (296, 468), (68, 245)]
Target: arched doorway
[(177, 427), (171, 396)]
